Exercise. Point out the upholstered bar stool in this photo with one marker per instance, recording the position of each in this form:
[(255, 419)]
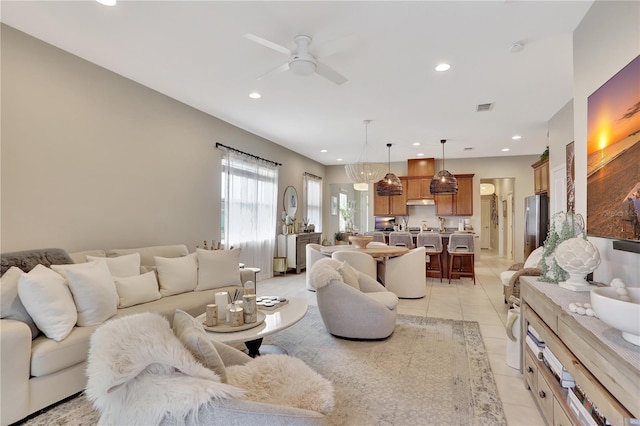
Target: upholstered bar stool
[(461, 248), (401, 238), (377, 236), (432, 242)]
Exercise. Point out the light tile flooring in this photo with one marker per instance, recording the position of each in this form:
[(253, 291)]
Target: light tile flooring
[(460, 300)]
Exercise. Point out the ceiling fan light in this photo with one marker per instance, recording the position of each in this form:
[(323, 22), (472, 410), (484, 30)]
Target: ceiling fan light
[(302, 67)]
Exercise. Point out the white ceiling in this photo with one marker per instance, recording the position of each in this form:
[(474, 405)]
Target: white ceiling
[(195, 52)]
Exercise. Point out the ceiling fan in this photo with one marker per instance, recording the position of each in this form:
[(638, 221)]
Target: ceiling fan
[(301, 60)]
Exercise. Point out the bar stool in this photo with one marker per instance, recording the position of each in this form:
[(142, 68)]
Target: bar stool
[(461, 248), (432, 242), (377, 236), (401, 238)]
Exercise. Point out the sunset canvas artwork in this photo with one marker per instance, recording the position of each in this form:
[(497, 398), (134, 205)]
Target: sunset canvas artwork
[(613, 156)]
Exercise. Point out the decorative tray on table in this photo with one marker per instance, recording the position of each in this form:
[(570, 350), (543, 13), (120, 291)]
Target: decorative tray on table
[(226, 328)]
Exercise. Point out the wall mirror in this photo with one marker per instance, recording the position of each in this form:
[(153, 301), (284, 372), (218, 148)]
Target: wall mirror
[(290, 201)]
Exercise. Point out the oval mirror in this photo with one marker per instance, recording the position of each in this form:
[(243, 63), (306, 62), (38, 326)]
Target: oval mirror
[(290, 201)]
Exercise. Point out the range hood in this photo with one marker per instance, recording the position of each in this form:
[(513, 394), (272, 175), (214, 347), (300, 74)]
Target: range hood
[(421, 202)]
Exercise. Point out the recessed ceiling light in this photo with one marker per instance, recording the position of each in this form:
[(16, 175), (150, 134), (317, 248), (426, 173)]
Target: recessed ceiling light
[(443, 67), (338, 159), (505, 149), (516, 137), (255, 95), (416, 144), (420, 154), (323, 150), (107, 2)]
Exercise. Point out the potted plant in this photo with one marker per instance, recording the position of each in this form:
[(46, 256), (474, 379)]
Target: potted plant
[(339, 238)]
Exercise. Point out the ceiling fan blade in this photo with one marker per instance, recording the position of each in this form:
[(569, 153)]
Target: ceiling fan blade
[(330, 74), (278, 69), (267, 43), (337, 45)]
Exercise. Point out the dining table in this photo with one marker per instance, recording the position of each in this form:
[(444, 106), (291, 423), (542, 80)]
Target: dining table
[(375, 252)]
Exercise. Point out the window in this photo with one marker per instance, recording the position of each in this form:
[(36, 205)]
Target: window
[(313, 200), (249, 209)]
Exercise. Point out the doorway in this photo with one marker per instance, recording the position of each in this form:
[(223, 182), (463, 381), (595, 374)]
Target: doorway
[(496, 215)]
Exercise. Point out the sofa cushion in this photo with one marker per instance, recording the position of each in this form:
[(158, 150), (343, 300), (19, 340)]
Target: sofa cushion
[(177, 274), (349, 275), (147, 253), (195, 339), (81, 256), (94, 293), (387, 298), (218, 268), (136, 289), (37, 289), (121, 266), (10, 305), (48, 356), (505, 277)]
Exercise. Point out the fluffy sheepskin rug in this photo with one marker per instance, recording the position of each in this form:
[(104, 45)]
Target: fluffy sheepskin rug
[(139, 373), (323, 271), (283, 380)]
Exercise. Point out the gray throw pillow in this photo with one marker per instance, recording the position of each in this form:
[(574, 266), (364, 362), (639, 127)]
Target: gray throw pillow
[(11, 307)]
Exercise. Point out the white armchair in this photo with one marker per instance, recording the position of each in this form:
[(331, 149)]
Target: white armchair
[(313, 255), (367, 312), (406, 275)]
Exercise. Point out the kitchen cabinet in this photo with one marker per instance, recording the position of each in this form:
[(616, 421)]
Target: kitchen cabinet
[(541, 176), (391, 205), (601, 365), (294, 248), (421, 167), (457, 205), (419, 188)]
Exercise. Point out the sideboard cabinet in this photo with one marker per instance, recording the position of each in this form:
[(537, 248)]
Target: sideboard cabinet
[(294, 248), (606, 367)]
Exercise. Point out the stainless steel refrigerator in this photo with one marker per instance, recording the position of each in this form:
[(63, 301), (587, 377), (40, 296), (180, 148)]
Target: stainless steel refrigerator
[(536, 222)]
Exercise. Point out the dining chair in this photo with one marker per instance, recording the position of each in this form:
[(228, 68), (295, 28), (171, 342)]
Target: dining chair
[(359, 261), (377, 236), (432, 242), (461, 248), (401, 238), (405, 275)]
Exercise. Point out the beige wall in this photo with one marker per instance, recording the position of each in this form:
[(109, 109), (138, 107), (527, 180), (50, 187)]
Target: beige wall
[(607, 39), (90, 159)]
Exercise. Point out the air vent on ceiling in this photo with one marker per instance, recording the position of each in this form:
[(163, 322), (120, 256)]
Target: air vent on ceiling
[(484, 107), (468, 148)]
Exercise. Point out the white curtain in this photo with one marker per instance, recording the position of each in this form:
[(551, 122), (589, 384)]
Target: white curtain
[(313, 200), (250, 191)]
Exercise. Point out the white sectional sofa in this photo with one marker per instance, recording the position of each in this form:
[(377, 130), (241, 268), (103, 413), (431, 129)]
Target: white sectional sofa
[(37, 373)]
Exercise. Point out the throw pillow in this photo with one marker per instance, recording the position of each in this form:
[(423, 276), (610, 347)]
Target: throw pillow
[(177, 274), (48, 300), (349, 275), (283, 380), (534, 259), (137, 289), (10, 305), (192, 335), (218, 268), (121, 266), (94, 293)]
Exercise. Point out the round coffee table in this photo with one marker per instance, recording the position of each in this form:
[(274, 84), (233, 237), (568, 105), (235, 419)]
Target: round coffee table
[(276, 320)]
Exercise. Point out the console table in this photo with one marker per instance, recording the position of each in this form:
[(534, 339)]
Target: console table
[(293, 247), (603, 364)]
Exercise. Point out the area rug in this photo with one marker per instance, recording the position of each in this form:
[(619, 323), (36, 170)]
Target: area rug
[(430, 371)]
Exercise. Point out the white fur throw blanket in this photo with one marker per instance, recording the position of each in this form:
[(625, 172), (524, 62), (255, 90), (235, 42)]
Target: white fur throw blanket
[(139, 373), (323, 271)]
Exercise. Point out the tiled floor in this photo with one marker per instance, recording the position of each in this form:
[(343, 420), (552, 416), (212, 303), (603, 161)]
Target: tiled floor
[(459, 300)]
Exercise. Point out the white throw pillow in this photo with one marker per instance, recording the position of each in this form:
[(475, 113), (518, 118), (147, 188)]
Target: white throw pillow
[(48, 300), (94, 293), (137, 289), (349, 275), (534, 258), (218, 268), (177, 274), (10, 305), (121, 266)]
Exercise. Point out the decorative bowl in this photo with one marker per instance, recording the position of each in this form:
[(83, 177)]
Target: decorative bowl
[(360, 241), (619, 314)]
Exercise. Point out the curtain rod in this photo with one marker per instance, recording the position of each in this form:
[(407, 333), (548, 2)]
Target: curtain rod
[(218, 145), (312, 175)]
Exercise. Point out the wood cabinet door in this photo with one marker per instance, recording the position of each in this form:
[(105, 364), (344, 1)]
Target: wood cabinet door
[(445, 205), (425, 189), (380, 204), (464, 199), (414, 189), (544, 177)]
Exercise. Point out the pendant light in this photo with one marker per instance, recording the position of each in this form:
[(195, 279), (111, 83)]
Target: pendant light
[(390, 184), (363, 172), (444, 183)]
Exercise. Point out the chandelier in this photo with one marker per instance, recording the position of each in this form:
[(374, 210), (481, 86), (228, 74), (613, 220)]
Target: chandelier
[(363, 172), (443, 182), (390, 184)]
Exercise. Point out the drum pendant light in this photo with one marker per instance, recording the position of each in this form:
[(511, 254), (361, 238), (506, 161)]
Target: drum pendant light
[(444, 183), (390, 184)]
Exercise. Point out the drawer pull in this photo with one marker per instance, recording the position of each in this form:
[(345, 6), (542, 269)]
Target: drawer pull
[(529, 369), (542, 394)]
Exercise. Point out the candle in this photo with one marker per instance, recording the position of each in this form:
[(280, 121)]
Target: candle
[(211, 318), (236, 315), (250, 309), (222, 298)]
